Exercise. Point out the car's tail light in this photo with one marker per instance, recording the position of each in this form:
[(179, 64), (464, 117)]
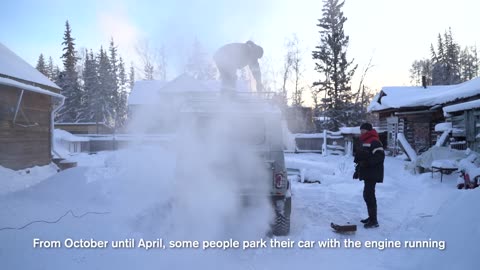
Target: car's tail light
[(278, 180)]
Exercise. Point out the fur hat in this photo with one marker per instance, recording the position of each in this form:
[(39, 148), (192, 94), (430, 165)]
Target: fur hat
[(255, 50), (366, 126)]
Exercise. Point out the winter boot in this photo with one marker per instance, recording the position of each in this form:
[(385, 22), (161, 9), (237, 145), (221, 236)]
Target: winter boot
[(371, 224), (364, 221)]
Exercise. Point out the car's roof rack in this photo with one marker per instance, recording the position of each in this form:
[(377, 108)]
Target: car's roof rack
[(229, 101), (234, 96)]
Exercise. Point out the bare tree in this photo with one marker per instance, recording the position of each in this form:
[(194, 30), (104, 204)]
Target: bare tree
[(153, 60), (361, 86), (269, 75), (292, 70), (297, 72), (287, 67)]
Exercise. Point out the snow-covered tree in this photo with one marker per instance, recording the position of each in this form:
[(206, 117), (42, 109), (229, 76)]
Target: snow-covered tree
[(68, 80), (446, 60), (50, 69), (419, 69), (469, 63), (41, 65), (335, 70), (56, 75), (448, 63), (105, 110), (113, 62), (131, 77), (199, 65), (121, 102), (91, 88)]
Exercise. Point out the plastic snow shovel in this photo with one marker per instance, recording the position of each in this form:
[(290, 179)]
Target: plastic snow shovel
[(347, 228)]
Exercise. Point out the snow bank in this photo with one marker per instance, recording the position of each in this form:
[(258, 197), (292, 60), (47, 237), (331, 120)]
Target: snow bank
[(426, 159), (12, 181), (457, 223), (470, 165)]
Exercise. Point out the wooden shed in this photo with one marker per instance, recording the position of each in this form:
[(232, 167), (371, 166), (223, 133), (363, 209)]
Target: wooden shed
[(85, 127), (28, 101), (415, 111), (465, 124)]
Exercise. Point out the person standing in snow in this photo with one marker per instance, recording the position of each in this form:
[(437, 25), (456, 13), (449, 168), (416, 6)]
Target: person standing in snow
[(231, 57), (369, 160)]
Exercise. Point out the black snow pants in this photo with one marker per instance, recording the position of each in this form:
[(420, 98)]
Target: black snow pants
[(370, 199)]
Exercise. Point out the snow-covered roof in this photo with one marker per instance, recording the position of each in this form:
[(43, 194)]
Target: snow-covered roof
[(441, 127), (145, 92), (14, 66), (61, 134), (462, 106), (28, 87), (186, 83), (350, 130), (416, 96), (148, 92)]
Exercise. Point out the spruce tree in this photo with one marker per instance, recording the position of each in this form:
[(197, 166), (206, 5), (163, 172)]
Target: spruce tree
[(105, 110), (332, 64), (114, 70), (41, 65), (131, 77), (468, 63), (91, 87), (114, 61), (121, 104), (446, 61), (50, 69), (419, 69), (68, 80)]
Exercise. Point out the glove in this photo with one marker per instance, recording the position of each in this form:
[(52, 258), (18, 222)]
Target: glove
[(355, 175)]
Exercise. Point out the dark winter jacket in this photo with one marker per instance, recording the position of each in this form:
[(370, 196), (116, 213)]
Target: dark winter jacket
[(369, 158), (235, 56)]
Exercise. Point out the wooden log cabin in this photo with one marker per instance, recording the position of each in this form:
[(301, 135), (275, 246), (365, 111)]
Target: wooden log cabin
[(28, 101), (416, 110)]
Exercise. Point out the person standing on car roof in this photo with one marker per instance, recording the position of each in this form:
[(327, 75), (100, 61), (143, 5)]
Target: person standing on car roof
[(234, 56)]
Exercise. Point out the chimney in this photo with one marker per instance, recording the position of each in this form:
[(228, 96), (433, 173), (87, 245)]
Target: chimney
[(424, 81)]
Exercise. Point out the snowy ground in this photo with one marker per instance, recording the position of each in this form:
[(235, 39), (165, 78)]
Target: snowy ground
[(132, 198)]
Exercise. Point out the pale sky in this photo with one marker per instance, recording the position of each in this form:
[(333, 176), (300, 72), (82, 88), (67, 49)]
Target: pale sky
[(394, 33)]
